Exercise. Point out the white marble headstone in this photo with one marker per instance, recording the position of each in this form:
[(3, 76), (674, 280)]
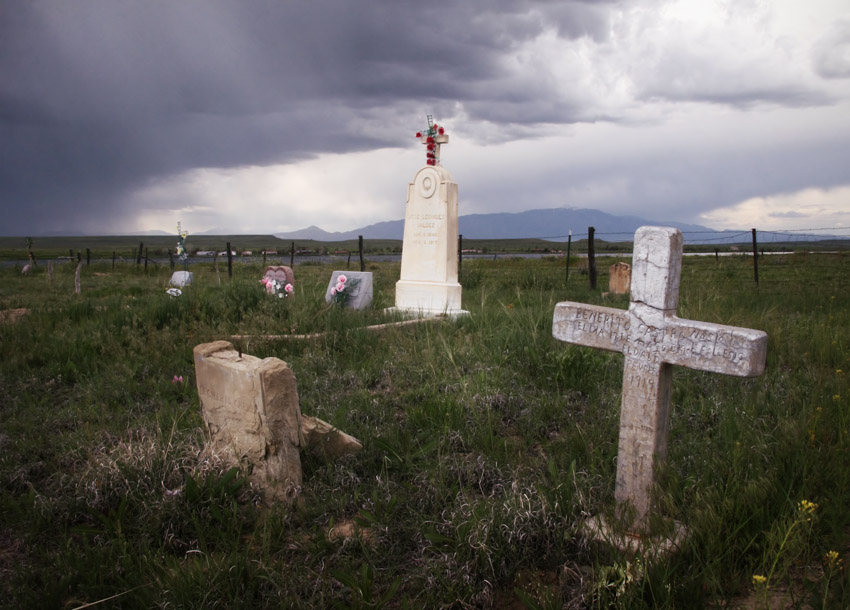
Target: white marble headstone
[(429, 284)]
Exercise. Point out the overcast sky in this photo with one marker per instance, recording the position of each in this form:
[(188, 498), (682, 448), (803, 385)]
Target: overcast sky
[(265, 116)]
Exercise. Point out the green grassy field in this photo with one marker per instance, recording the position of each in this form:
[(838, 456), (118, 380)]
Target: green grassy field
[(487, 444)]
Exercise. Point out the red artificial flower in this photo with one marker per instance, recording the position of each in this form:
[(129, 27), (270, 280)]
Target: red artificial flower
[(430, 140), (441, 130), (418, 134), (432, 162)]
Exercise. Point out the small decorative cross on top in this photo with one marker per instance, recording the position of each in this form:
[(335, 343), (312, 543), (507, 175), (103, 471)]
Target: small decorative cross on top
[(432, 137), (653, 339)]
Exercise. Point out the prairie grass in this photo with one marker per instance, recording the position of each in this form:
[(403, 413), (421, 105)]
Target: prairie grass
[(487, 444)]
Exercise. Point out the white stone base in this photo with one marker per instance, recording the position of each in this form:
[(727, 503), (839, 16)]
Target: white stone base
[(599, 530), (426, 313), (437, 297)]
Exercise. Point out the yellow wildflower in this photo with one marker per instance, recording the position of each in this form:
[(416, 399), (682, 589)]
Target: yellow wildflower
[(807, 507), (832, 560), (758, 579)]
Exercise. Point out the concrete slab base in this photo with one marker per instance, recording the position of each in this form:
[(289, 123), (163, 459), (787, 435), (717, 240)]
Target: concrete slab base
[(599, 530)]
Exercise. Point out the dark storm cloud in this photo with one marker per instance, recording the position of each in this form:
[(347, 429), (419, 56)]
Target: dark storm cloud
[(100, 98)]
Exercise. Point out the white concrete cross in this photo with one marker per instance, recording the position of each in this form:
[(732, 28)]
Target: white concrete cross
[(653, 339), (432, 138)]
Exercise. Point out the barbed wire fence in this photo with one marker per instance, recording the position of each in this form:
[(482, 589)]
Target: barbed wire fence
[(748, 258)]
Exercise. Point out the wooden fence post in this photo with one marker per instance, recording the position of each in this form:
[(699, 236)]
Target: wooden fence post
[(755, 258), (591, 258), (139, 254), (569, 247), (362, 262), (459, 254), (229, 261), (292, 255)]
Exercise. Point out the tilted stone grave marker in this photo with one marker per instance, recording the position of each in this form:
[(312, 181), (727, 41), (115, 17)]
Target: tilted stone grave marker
[(250, 407), (619, 278), (429, 284), (653, 339), (357, 288)]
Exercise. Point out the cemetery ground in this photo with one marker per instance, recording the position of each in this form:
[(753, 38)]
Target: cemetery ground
[(487, 444)]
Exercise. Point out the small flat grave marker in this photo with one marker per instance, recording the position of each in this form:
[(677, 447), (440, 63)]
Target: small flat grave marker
[(181, 279), (357, 288), (653, 339)]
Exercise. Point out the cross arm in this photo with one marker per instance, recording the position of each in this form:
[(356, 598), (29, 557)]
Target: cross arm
[(717, 348), (591, 325)]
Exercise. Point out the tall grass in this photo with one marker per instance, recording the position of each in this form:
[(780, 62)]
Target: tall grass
[(487, 444)]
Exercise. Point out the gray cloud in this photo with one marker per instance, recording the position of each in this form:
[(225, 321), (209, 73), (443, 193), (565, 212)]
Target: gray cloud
[(831, 54), (99, 98)]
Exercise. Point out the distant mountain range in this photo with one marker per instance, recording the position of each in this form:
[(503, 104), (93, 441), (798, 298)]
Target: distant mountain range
[(552, 224)]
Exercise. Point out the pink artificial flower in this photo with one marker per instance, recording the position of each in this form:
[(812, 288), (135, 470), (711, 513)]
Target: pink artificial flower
[(333, 292), (340, 287), (342, 279), (289, 288), (177, 379)]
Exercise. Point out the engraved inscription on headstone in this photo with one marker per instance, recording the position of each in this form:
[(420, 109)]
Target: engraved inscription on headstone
[(653, 339)]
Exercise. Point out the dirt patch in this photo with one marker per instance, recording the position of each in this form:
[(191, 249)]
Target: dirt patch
[(346, 530), (10, 316)]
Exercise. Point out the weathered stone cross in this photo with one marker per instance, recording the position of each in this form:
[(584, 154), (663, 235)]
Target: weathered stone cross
[(653, 339)]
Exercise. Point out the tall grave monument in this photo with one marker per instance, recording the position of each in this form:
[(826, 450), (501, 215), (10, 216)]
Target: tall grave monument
[(428, 284), (653, 339)]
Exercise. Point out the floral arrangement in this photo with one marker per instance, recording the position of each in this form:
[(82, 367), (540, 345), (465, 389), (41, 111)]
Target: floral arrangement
[(342, 290), (430, 134), (181, 243), (277, 287)]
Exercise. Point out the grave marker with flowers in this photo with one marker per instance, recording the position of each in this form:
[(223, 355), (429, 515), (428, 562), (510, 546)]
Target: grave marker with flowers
[(429, 284), (279, 281), (181, 279), (351, 289)]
